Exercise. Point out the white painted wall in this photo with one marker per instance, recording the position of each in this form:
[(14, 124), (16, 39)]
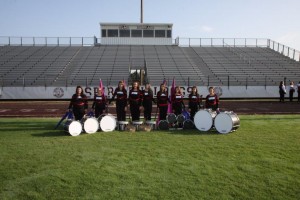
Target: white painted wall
[(15, 93)]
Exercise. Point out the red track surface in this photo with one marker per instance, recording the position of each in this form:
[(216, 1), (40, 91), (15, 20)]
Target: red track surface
[(58, 108)]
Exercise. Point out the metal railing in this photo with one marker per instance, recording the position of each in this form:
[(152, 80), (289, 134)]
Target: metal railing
[(183, 42)]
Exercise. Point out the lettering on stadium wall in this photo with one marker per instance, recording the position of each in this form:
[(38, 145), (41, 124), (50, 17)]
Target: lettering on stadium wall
[(91, 91)]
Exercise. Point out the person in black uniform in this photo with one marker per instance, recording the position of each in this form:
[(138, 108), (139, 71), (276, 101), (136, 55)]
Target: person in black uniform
[(79, 103), (162, 102), (99, 104), (195, 101), (282, 91), (177, 101), (121, 101), (135, 101), (147, 101), (212, 100)]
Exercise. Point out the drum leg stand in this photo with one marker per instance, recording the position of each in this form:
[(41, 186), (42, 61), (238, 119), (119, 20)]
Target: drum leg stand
[(137, 124)]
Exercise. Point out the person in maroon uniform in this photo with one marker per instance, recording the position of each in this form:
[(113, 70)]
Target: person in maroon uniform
[(147, 101), (79, 103), (177, 101), (135, 101), (99, 104), (162, 102), (121, 101), (212, 100), (194, 102)]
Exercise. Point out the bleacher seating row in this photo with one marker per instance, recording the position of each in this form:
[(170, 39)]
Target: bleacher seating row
[(85, 65)]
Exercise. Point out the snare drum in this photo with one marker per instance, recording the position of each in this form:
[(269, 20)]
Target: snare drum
[(74, 128), (171, 118), (180, 118), (122, 125), (108, 123), (204, 119), (226, 122), (163, 125), (188, 124), (91, 125), (152, 125)]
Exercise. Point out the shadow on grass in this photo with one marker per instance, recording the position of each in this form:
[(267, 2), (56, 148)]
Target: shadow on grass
[(193, 132), (53, 133)]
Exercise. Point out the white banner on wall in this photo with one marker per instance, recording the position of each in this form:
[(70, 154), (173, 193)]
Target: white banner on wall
[(52, 93)]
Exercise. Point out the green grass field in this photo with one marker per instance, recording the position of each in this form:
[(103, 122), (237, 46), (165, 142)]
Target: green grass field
[(261, 160)]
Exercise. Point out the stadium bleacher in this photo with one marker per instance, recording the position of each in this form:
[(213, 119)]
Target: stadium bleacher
[(81, 65)]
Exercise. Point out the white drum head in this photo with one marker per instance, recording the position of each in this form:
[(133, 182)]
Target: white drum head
[(223, 123), (203, 120), (91, 125), (108, 123), (75, 128)]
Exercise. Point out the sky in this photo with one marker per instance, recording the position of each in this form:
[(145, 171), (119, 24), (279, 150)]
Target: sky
[(277, 20)]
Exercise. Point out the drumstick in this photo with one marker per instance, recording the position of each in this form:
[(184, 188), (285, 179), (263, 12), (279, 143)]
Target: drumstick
[(62, 119)]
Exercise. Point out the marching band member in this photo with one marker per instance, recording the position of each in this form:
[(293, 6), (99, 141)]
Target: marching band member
[(212, 100), (121, 101), (99, 104), (79, 103), (135, 101), (282, 91), (177, 102), (194, 102), (162, 102), (147, 101)]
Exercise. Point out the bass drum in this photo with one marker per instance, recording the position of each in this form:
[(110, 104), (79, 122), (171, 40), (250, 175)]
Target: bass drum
[(108, 123), (171, 118), (91, 125), (226, 122), (74, 128), (188, 124), (163, 125), (204, 119)]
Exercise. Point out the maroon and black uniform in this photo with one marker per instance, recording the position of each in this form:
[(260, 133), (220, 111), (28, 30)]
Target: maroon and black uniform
[(177, 104), (194, 104), (212, 102), (135, 101), (78, 104), (162, 103), (121, 103), (99, 104), (147, 103)]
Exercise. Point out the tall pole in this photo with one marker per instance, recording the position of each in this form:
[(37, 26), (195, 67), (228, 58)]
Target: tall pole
[(141, 11)]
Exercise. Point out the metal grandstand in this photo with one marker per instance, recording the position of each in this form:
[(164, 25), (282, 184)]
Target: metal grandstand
[(82, 61)]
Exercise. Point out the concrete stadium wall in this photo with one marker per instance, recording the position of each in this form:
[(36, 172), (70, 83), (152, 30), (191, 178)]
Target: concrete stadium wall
[(57, 93)]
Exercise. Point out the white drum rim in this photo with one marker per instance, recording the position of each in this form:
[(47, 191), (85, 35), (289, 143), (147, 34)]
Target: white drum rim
[(203, 122), (108, 123), (75, 128), (91, 125)]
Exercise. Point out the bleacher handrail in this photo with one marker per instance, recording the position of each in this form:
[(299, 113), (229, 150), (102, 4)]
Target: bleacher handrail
[(182, 42)]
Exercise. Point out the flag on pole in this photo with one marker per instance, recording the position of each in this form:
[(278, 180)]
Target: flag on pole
[(101, 87), (172, 94)]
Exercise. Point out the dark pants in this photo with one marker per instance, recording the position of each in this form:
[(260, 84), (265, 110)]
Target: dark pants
[(194, 109), (78, 113), (177, 107), (281, 99), (163, 112), (99, 111), (135, 112), (291, 95), (121, 114), (147, 110)]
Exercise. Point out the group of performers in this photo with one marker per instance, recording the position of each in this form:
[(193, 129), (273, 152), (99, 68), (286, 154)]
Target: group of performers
[(138, 100)]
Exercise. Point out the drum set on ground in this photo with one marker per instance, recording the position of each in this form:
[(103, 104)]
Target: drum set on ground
[(204, 120)]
